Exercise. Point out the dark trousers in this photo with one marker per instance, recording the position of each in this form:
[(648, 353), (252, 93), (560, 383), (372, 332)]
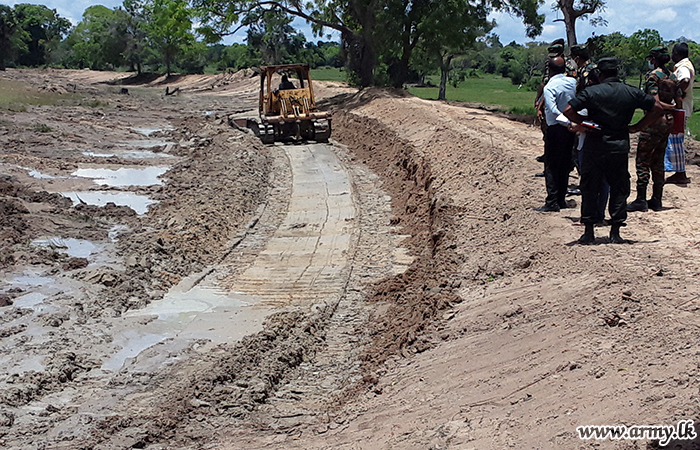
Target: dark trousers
[(598, 166), (603, 193), (557, 164)]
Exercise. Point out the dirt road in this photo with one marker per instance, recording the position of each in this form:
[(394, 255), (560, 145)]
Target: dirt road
[(169, 282)]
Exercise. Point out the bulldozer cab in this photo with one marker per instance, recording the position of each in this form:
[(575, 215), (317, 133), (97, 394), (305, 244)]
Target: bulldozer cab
[(286, 103), (288, 110)]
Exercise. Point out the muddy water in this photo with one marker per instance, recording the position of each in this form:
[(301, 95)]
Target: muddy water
[(305, 262), (123, 177), (138, 203)]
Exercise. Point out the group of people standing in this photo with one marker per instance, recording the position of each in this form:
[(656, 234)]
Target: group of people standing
[(588, 109)]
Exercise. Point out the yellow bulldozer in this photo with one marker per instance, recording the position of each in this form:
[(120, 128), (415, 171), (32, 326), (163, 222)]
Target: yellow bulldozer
[(288, 111)]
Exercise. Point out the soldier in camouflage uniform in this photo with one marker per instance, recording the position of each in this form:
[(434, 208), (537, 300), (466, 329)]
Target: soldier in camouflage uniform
[(663, 85), (587, 73)]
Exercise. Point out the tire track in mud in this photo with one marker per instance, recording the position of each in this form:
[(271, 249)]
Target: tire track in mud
[(306, 259), (289, 374)]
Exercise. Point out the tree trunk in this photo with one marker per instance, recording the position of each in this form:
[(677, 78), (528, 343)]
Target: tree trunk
[(361, 57), (444, 73), (571, 14)]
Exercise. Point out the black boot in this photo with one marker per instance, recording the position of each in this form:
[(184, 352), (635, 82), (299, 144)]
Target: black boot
[(640, 204), (615, 234), (655, 200), (588, 235)]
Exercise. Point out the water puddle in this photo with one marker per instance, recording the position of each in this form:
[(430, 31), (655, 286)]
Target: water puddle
[(132, 344), (99, 155), (149, 131), (115, 231), (190, 312), (31, 280), (149, 143), (138, 203), (72, 247), (181, 304), (41, 176), (123, 177), (12, 365), (29, 301), (130, 154)]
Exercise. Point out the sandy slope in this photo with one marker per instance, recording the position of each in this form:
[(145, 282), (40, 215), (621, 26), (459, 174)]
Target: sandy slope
[(549, 335)]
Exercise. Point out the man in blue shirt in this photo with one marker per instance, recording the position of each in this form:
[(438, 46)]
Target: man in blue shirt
[(611, 105), (559, 140)]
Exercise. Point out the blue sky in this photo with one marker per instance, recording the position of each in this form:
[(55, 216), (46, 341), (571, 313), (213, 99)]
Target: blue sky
[(675, 18)]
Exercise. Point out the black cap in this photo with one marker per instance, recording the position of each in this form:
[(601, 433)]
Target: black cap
[(607, 64)]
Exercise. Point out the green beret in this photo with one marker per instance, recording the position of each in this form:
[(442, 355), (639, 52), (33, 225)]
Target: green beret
[(657, 51), (607, 64)]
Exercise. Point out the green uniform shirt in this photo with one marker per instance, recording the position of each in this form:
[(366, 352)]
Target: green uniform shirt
[(611, 104), (652, 79)]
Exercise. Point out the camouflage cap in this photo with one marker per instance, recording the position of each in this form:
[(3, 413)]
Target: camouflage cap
[(657, 51), (555, 50), (579, 50), (607, 64)]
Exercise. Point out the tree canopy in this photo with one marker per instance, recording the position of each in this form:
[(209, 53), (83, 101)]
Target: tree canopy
[(372, 32)]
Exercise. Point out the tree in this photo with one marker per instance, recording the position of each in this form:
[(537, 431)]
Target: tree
[(369, 29), (575, 9), (43, 30), (136, 20), (270, 32), (170, 28), (468, 22), (11, 34), (99, 40)]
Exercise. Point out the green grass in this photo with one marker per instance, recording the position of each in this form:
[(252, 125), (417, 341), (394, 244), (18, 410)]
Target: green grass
[(492, 90), (42, 128), (327, 73), (15, 96)]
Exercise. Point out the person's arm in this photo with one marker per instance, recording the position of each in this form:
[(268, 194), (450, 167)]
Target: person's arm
[(550, 101), (650, 116), (575, 119)]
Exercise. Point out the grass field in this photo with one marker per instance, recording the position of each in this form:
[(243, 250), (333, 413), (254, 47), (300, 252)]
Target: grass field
[(15, 96), (327, 73), (488, 90), (498, 92)]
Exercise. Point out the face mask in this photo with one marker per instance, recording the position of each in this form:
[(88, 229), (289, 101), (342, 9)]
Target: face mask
[(650, 65)]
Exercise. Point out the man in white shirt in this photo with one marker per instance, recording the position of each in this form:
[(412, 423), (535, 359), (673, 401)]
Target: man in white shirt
[(560, 140), (675, 151)]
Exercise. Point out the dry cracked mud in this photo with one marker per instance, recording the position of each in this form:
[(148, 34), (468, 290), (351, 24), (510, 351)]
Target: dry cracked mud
[(168, 282)]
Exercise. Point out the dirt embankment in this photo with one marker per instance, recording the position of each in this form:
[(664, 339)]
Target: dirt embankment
[(549, 335)]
